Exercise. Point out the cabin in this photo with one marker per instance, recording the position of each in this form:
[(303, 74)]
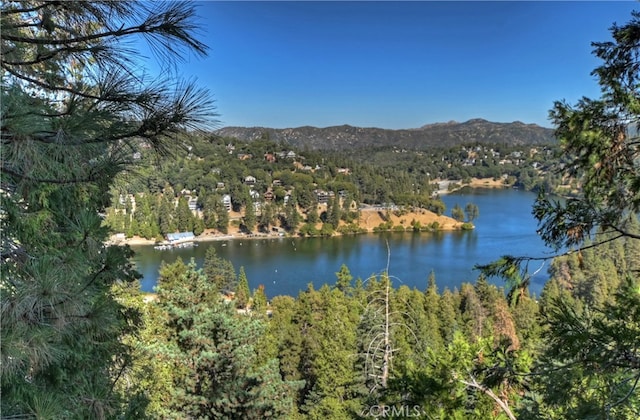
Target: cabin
[(322, 196), (255, 195), (226, 202)]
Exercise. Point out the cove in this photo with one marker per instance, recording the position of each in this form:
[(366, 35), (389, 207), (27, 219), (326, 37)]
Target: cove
[(287, 265)]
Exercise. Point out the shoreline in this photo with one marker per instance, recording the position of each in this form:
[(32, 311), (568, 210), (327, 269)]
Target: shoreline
[(368, 221), (447, 224)]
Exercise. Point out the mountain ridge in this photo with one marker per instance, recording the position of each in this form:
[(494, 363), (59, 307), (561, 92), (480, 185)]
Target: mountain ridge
[(445, 134)]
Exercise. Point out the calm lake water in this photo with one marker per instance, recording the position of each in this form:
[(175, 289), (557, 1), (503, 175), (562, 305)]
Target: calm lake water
[(287, 265)]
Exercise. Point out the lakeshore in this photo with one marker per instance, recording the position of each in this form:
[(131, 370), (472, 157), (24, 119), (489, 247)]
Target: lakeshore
[(286, 265), (370, 218)]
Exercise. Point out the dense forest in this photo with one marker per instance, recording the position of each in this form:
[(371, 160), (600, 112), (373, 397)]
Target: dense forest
[(80, 127), (271, 185), (360, 347)]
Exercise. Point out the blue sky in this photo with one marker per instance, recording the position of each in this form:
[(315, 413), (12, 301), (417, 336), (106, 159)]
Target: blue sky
[(398, 64)]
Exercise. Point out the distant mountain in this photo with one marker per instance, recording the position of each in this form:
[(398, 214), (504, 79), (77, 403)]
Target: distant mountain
[(433, 135)]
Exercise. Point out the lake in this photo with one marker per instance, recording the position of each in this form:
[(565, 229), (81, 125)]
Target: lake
[(287, 265)]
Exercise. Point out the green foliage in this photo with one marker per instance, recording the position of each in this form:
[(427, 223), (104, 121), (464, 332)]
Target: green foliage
[(259, 301), (219, 271), (74, 112), (242, 291), (472, 212), (209, 354), (589, 368), (249, 220), (309, 229), (351, 228), (457, 213), (384, 227), (344, 279)]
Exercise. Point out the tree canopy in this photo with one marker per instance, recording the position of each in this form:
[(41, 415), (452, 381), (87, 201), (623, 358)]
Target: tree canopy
[(590, 307), (75, 106)]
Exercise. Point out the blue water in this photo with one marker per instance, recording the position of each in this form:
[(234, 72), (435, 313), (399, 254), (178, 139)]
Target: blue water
[(287, 265)]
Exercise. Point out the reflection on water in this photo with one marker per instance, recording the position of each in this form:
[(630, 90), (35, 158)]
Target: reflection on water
[(288, 265)]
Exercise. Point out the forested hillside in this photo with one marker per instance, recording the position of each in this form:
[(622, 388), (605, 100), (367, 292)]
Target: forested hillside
[(84, 131), (449, 134), (218, 183), (356, 348)]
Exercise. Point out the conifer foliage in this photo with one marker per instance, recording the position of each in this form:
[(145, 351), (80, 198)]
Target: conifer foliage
[(75, 108)]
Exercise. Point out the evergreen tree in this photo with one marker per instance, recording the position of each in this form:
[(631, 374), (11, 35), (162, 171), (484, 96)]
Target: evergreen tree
[(312, 214), (219, 272), (587, 332), (291, 215), (333, 383), (184, 217), (249, 219), (267, 217), (74, 110), (166, 214), (211, 354), (344, 279), (471, 211), (242, 291), (334, 213), (259, 301), (222, 218), (457, 213)]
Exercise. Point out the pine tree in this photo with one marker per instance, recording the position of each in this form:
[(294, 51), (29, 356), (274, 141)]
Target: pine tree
[(259, 301), (344, 279), (74, 110), (243, 292), (291, 215), (219, 272), (184, 217), (166, 214), (457, 213), (589, 326), (210, 354), (249, 220), (471, 211)]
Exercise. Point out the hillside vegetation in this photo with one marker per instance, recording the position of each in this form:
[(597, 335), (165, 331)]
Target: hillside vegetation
[(346, 137)]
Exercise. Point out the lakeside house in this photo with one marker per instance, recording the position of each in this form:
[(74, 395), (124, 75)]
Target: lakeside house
[(180, 237)]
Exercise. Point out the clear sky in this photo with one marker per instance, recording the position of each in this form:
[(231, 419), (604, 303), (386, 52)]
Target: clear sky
[(398, 64)]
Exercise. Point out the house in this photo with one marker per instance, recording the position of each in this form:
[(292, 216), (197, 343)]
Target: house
[(180, 237), (255, 195), (269, 196), (344, 171), (250, 180), (245, 156), (277, 183), (226, 202), (322, 196), (193, 203), (220, 185), (270, 157)]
